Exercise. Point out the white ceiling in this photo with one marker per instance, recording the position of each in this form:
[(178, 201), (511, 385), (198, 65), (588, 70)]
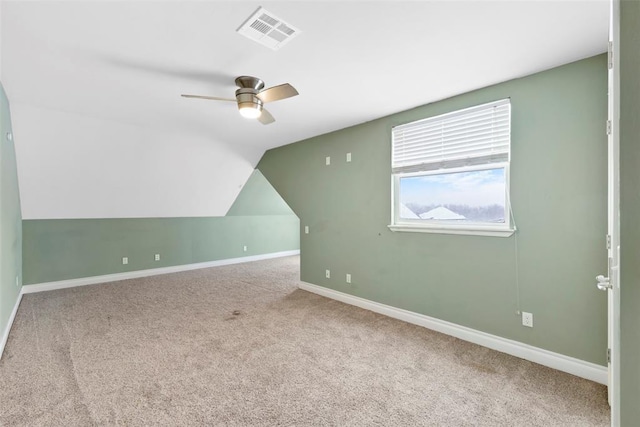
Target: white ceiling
[(129, 61)]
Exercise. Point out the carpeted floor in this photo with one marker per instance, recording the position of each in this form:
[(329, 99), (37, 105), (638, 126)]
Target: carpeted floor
[(242, 346)]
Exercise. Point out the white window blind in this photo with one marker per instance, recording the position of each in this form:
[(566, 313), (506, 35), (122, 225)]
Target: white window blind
[(472, 136)]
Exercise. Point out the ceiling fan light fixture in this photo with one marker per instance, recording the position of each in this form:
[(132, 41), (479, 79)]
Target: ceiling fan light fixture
[(250, 110), (251, 97)]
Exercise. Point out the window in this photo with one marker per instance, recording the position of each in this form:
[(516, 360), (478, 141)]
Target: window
[(451, 172)]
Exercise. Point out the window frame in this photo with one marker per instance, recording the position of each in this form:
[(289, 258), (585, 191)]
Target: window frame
[(450, 227), (505, 229)]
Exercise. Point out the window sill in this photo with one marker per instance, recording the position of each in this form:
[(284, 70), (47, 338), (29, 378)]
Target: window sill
[(472, 231)]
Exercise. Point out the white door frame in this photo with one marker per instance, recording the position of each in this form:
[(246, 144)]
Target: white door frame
[(613, 204)]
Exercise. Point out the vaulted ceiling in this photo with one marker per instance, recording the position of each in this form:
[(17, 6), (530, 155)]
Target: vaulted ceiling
[(95, 86)]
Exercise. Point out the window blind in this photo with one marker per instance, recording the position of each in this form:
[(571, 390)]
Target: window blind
[(472, 136)]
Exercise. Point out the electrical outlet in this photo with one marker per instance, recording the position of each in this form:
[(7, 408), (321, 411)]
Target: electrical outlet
[(348, 279), (327, 161), (157, 257), (244, 248), (125, 260), (306, 229), (348, 157), (17, 281), (527, 319), (327, 274)]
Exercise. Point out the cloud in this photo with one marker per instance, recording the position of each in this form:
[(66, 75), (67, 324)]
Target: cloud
[(475, 188)]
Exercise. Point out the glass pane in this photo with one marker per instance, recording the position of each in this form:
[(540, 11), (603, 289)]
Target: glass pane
[(474, 196)]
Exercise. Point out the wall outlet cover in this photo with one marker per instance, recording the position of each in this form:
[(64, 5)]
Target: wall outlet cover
[(527, 319), (327, 274), (157, 257), (125, 260)]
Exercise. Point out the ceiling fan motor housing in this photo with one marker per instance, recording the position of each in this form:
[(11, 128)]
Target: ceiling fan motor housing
[(249, 82), (246, 95), (247, 99)]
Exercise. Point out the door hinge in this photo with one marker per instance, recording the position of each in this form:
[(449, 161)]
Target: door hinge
[(608, 355), (608, 241), (608, 127), (610, 55)]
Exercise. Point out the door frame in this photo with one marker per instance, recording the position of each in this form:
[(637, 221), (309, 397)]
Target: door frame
[(613, 212)]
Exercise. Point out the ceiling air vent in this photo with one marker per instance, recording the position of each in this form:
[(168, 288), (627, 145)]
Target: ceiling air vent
[(267, 29)]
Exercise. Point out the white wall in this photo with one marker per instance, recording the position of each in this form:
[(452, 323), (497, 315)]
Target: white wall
[(73, 166)]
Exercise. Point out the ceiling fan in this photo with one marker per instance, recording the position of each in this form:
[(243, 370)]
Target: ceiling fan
[(252, 96)]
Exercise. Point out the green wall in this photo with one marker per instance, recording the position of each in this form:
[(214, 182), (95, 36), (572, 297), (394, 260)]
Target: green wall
[(59, 249), (258, 197), (10, 218), (629, 213), (558, 188)]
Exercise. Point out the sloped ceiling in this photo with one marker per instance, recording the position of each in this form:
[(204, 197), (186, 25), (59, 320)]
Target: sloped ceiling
[(101, 129)]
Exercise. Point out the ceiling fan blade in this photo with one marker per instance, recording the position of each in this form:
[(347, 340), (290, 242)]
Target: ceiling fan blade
[(277, 93), (266, 118), (215, 98)]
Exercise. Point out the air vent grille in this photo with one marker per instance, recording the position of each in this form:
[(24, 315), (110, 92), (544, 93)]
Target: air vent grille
[(267, 29), (260, 26), (277, 35), (286, 30), (269, 20)]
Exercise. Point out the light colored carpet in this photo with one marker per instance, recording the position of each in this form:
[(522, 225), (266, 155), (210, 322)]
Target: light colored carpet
[(242, 346)]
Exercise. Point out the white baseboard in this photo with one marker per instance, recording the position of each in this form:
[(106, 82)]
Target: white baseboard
[(5, 333), (571, 365), (71, 283)]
